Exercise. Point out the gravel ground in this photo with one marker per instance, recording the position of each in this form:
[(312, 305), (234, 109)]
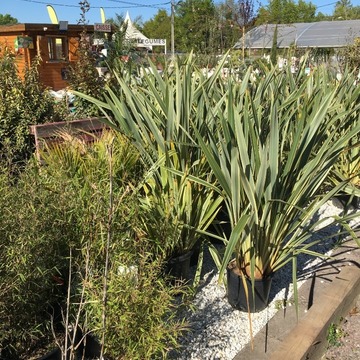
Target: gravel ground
[(217, 330), (347, 342)]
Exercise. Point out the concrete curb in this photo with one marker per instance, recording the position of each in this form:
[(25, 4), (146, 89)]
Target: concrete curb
[(323, 299)]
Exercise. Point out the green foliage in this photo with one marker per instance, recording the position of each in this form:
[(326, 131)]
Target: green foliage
[(141, 313), (158, 28), (335, 333), (22, 103), (286, 12), (344, 10), (138, 303), (194, 26), (32, 252), (273, 148), (350, 55), (159, 116), (346, 170), (83, 76), (119, 47), (62, 209), (7, 19), (273, 55)]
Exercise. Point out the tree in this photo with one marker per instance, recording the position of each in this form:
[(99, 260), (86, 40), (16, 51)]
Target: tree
[(244, 16), (195, 26), (159, 27), (118, 45), (7, 20), (227, 33), (306, 11), (273, 55), (350, 55), (286, 12), (345, 11)]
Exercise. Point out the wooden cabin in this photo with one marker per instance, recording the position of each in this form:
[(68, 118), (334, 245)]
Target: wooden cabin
[(55, 43)]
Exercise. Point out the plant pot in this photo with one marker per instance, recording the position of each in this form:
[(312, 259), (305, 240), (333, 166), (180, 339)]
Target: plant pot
[(236, 292), (220, 226), (89, 347), (195, 253), (179, 266), (348, 199), (52, 355)]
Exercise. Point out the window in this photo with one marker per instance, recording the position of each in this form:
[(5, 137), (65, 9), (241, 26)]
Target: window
[(57, 47)]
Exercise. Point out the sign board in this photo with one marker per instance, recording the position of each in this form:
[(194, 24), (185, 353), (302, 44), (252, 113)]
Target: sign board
[(151, 42), (102, 27), (24, 42)]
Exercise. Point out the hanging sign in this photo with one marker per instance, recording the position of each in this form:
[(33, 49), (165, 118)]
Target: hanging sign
[(102, 27)]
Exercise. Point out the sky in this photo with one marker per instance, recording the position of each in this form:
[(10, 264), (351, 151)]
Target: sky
[(35, 11)]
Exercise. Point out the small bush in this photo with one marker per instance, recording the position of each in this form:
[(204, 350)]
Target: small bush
[(83, 77), (22, 103)]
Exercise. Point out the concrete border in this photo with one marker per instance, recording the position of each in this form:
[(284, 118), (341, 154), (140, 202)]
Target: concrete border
[(323, 299)]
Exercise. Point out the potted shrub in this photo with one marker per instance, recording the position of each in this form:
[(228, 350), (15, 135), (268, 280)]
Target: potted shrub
[(347, 170), (177, 213), (271, 152), (347, 167)]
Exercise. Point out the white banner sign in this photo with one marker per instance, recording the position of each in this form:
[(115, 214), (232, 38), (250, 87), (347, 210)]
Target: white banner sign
[(102, 27), (152, 42)]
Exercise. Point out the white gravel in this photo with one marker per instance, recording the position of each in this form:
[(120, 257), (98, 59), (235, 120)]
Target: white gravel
[(217, 330)]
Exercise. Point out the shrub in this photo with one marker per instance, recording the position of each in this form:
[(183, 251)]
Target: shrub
[(33, 237), (141, 320), (83, 77), (22, 103)]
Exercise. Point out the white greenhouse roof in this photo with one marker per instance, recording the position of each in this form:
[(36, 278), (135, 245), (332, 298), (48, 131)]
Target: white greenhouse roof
[(322, 34)]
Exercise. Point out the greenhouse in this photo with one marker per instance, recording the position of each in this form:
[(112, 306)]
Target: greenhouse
[(323, 34)]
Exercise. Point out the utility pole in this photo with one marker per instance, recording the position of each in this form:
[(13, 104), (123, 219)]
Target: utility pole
[(172, 29)]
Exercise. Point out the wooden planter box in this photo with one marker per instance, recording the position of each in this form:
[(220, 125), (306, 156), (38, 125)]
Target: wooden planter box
[(85, 129)]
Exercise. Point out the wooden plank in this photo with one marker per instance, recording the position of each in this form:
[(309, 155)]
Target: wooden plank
[(49, 130), (84, 129), (308, 338)]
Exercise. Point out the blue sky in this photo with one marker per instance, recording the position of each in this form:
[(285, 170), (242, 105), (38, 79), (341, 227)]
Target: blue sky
[(34, 11)]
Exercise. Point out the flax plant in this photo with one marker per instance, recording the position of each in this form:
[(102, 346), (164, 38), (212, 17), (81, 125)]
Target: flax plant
[(159, 113), (273, 149), (347, 167)]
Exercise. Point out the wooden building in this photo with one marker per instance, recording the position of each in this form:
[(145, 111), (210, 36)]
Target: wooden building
[(57, 45)]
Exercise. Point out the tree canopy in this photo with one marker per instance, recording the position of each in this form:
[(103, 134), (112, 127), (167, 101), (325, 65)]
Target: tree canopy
[(159, 27), (286, 12), (344, 10), (206, 26), (7, 20)]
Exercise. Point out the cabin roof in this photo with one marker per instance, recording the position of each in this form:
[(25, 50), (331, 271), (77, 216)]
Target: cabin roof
[(40, 28)]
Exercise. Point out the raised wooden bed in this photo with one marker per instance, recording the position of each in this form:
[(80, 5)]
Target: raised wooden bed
[(85, 129)]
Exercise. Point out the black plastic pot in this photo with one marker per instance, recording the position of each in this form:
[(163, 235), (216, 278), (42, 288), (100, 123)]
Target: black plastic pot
[(179, 266), (236, 292), (91, 350), (52, 355), (348, 199), (220, 226)]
